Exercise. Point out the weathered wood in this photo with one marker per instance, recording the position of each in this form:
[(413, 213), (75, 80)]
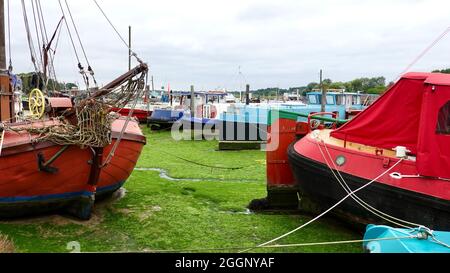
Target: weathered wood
[(240, 145), (324, 94), (129, 48), (6, 96), (2, 36), (247, 94), (192, 106)]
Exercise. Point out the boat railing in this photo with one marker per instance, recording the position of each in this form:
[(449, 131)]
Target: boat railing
[(279, 114)]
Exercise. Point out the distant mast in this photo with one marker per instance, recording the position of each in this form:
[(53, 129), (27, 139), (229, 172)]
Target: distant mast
[(2, 37), (6, 96), (129, 48), (324, 94)]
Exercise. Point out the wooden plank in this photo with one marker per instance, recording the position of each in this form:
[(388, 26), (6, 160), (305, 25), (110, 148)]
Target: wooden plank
[(240, 145)]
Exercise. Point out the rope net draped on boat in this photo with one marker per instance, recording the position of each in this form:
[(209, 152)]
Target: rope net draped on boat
[(92, 125), (93, 128)]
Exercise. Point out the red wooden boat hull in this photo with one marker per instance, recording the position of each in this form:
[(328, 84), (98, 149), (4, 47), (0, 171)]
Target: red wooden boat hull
[(25, 189), (141, 115)]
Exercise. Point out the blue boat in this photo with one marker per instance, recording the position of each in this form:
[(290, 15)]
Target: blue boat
[(385, 239), (164, 118)]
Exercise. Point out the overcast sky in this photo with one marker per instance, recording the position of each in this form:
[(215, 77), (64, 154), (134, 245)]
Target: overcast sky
[(282, 43)]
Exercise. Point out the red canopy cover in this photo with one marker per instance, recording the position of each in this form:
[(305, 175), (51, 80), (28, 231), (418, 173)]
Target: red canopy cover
[(412, 113)]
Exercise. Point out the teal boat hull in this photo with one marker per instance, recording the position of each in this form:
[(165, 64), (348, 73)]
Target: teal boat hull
[(385, 239)]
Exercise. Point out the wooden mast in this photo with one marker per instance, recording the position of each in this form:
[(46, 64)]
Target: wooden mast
[(6, 95)]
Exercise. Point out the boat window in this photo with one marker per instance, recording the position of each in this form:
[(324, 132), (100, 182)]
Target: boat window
[(356, 100), (330, 99), (443, 123), (340, 100), (312, 99)]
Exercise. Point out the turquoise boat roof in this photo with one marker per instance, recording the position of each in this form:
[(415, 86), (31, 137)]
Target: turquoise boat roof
[(385, 239), (335, 93)]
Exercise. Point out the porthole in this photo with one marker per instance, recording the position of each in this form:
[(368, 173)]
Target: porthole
[(340, 160)]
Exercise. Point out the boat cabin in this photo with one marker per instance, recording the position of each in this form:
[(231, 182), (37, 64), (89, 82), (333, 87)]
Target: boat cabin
[(350, 100)]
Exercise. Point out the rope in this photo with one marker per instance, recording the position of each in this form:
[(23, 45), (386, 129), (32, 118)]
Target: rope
[(81, 43), (10, 68), (357, 199), (117, 32), (93, 127), (1, 140), (330, 209), (282, 246), (51, 65), (116, 145), (68, 30), (38, 41), (425, 51), (204, 165), (29, 38), (80, 67), (41, 27)]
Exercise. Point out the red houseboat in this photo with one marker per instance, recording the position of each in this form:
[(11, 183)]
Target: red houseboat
[(397, 152)]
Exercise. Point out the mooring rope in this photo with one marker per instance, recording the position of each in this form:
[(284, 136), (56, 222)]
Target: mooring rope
[(425, 51), (329, 243), (371, 209), (330, 209), (202, 164), (356, 198)]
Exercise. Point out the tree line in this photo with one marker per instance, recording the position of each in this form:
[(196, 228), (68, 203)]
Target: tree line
[(375, 85), (33, 80)]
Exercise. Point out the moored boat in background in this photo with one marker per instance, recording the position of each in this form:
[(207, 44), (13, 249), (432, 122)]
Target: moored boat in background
[(249, 123), (140, 112)]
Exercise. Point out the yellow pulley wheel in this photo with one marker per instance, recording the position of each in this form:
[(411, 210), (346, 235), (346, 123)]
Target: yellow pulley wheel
[(36, 103)]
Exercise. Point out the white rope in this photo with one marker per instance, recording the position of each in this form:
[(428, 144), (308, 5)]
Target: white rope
[(1, 141), (424, 52), (356, 198), (374, 210), (288, 245), (330, 209), (343, 242)]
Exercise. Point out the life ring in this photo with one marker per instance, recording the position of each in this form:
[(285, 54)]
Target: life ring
[(36, 102)]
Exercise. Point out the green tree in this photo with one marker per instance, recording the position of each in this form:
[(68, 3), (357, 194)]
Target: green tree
[(446, 71), (30, 81)]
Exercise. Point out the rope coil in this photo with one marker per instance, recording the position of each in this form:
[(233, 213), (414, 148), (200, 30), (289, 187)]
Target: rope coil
[(93, 128)]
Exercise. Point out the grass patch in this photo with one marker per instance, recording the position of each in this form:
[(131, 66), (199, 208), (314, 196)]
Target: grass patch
[(157, 214), (177, 158)]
